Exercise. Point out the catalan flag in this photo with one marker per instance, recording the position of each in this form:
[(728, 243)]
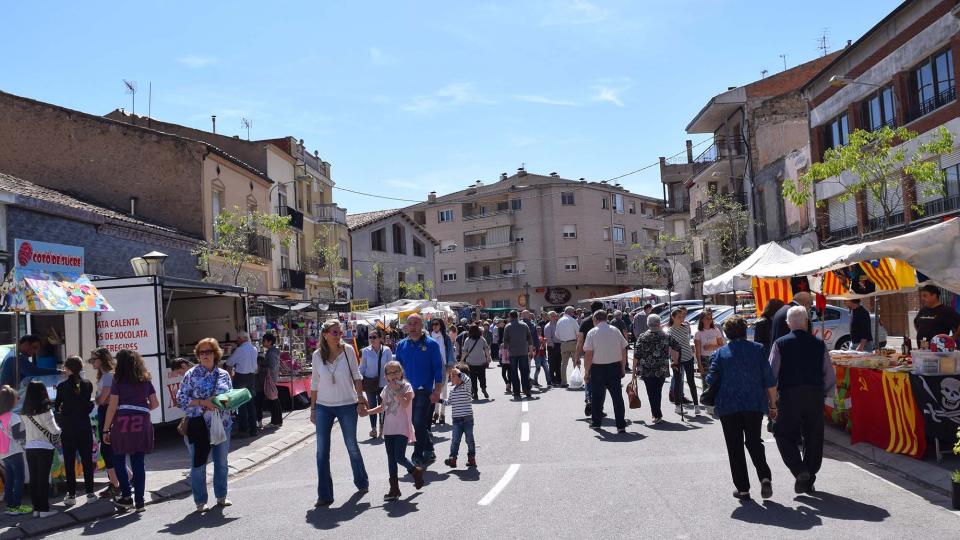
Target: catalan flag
[(766, 289), (832, 285), (890, 274), (903, 418)]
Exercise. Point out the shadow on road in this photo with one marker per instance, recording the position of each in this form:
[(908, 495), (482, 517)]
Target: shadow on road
[(110, 523), (839, 507), (193, 522), (671, 426), (401, 507), (466, 475), (331, 518), (629, 436), (809, 514)]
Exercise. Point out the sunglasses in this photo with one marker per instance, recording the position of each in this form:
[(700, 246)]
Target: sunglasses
[(334, 332), (205, 352), (374, 337)]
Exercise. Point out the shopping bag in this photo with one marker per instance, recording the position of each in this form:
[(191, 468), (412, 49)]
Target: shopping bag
[(217, 433), (632, 396), (576, 378), (270, 387), (232, 399)]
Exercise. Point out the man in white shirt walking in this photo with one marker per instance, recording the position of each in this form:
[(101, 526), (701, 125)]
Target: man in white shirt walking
[(565, 335), (244, 364), (605, 362)]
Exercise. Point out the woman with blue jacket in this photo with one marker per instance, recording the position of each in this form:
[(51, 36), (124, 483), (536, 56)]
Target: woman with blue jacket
[(746, 392)]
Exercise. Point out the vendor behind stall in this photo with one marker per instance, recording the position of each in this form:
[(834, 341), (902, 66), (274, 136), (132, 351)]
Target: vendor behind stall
[(861, 335), (934, 318), (29, 346)]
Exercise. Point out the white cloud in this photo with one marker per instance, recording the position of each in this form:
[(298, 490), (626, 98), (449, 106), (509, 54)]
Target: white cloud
[(606, 93), (573, 12), (448, 96), (544, 100), (196, 61)]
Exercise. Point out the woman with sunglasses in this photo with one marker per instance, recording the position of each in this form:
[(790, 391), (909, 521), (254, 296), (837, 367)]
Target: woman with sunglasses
[(102, 361), (199, 386), (373, 361), (336, 393)]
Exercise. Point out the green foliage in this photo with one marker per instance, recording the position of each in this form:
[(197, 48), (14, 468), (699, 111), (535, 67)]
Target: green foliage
[(725, 229), (325, 259), (877, 160), (223, 258), (655, 263)]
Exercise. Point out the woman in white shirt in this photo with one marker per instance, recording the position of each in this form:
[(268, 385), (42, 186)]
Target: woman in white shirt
[(709, 338), (336, 393)]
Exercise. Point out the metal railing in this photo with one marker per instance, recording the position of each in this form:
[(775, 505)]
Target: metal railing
[(260, 246), (722, 148), (476, 214), (877, 223), (705, 212), (329, 213), (491, 277), (681, 207), (933, 103), (488, 246), (296, 216), (291, 279), (940, 206)]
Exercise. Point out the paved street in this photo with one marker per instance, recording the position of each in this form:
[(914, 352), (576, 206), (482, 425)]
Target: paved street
[(668, 481)]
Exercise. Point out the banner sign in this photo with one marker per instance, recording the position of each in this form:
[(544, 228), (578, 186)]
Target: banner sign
[(938, 397), (46, 257), (359, 305), (884, 412)]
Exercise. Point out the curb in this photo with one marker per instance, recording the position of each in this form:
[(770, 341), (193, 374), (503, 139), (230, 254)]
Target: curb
[(99, 508)]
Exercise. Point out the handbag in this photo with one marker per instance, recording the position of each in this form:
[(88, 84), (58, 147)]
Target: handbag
[(54, 438), (372, 384), (632, 395), (709, 395), (270, 391), (182, 426)]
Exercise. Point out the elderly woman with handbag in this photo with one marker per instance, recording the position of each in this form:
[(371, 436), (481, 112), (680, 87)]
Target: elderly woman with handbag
[(742, 387), (208, 427)]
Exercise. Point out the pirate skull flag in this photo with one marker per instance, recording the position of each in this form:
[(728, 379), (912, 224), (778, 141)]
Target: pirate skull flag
[(938, 397)]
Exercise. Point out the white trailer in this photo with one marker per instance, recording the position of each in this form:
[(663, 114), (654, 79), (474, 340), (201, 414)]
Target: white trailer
[(163, 318)]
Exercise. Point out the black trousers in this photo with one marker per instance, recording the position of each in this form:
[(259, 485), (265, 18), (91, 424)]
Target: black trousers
[(800, 421), (77, 438), (606, 378), (654, 387), (39, 462), (520, 375), (247, 412), (553, 359), (743, 429), (676, 385), (478, 376)]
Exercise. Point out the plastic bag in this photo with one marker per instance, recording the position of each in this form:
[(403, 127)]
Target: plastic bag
[(576, 378), (217, 433)]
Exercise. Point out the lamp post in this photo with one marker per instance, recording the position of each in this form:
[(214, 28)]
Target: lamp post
[(155, 261), (526, 295)]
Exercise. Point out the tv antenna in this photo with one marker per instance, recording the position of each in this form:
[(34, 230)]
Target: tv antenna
[(823, 41), (246, 123), (131, 87), (784, 58), (763, 73)]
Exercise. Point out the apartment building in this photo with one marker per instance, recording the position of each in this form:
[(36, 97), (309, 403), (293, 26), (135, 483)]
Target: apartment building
[(163, 178), (902, 72), (538, 241), (758, 138)]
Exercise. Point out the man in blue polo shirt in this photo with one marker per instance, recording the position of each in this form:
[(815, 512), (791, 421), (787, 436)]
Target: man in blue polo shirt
[(420, 357)]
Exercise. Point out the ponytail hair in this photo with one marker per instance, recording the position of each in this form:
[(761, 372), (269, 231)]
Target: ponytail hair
[(74, 365)]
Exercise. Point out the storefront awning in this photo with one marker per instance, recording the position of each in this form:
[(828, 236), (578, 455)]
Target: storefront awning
[(36, 291)]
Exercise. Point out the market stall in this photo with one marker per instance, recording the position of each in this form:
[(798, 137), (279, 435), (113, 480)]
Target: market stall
[(636, 298), (896, 400)]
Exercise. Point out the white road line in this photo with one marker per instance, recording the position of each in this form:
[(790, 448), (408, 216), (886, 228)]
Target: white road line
[(525, 406), (884, 480), (501, 485), (525, 432)]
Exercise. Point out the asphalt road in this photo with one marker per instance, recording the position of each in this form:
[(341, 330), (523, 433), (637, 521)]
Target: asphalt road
[(565, 481)]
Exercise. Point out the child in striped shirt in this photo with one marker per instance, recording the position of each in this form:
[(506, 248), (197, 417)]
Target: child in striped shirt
[(460, 399)]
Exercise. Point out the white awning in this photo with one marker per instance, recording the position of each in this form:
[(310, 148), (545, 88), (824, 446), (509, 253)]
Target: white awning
[(738, 278)]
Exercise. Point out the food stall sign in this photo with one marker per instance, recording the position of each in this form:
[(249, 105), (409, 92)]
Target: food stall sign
[(47, 257), (359, 305)]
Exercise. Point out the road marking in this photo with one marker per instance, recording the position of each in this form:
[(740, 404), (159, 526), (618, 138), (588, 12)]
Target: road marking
[(501, 485), (525, 406), (525, 432), (884, 480)]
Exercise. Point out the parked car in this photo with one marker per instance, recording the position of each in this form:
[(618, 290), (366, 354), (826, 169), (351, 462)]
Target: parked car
[(836, 328), (665, 307)]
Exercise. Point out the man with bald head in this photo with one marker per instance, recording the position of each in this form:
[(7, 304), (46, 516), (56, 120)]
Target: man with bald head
[(419, 354), (779, 326)]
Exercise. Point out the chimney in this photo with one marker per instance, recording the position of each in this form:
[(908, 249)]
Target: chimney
[(689, 151), (849, 42), (213, 118), (133, 206), (521, 171), (503, 176), (432, 197), (554, 175)]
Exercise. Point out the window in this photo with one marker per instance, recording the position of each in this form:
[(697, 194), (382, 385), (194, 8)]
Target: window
[(571, 264), (447, 276), (878, 111), (399, 239), (447, 246), (378, 240), (517, 236), (344, 255), (444, 216), (401, 278), (569, 231), (621, 265), (836, 132), (932, 84), (952, 181), (619, 235), (842, 214), (500, 304), (420, 217), (605, 204), (421, 279), (608, 265), (566, 198), (618, 204), (633, 207), (419, 249), (218, 204), (503, 206), (516, 204), (606, 234), (634, 237)]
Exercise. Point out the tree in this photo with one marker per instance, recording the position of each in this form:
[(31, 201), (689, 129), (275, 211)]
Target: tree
[(326, 259), (660, 261), (387, 293), (877, 161), (234, 245), (724, 231)]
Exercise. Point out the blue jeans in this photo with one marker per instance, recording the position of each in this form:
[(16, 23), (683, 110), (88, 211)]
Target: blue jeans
[(396, 446), (198, 475), (422, 415), (373, 399), (346, 415), (462, 426), (139, 475), (541, 362), (13, 480)]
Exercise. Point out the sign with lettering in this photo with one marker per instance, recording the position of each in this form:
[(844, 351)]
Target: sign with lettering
[(47, 257), (133, 324), (556, 296), (359, 305)]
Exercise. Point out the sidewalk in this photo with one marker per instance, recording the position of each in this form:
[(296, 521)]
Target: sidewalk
[(166, 478)]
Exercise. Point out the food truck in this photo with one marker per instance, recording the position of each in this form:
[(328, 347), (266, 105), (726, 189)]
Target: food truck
[(163, 318)]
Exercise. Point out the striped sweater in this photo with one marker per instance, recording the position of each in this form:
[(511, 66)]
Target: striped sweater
[(460, 398)]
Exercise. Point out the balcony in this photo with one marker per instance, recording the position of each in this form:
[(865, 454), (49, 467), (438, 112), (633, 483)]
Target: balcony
[(491, 277), (677, 207), (260, 247), (329, 213), (292, 280), (839, 235), (931, 104), (704, 213), (938, 207), (879, 223), (721, 149), (296, 216)]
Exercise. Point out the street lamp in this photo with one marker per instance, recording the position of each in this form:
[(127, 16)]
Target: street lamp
[(155, 261), (526, 295), (839, 81)]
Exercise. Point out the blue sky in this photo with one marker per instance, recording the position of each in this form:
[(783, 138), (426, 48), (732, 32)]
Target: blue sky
[(408, 97)]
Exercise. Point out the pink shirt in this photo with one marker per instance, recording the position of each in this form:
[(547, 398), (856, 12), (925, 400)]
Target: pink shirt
[(397, 420)]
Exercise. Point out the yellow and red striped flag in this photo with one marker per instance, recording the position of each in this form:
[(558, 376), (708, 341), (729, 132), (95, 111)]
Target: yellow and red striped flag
[(766, 289)]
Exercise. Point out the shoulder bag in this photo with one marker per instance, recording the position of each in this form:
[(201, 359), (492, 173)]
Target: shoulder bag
[(372, 384), (270, 391)]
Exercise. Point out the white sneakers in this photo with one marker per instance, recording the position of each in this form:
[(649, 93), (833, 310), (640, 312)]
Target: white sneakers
[(69, 501), (201, 508), (48, 513), (224, 502), (696, 410)]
